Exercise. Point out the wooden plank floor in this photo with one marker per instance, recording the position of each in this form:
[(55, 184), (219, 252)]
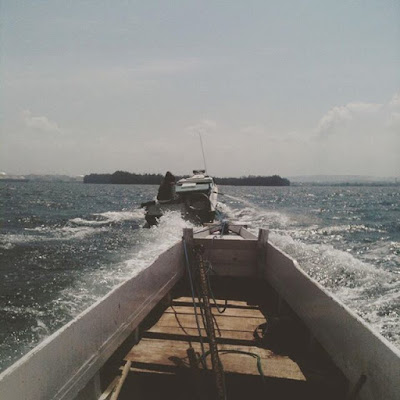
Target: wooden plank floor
[(160, 364), (164, 345)]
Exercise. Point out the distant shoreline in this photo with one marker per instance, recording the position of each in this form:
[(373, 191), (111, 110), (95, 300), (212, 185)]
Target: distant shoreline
[(155, 179), (127, 178)]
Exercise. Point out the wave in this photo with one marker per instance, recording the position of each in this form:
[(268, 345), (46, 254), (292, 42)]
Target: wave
[(109, 217), (76, 228), (372, 293), (368, 288), (253, 215), (150, 243), (41, 234), (257, 217), (332, 233)]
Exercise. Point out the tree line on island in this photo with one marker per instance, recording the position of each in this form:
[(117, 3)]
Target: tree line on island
[(127, 178)]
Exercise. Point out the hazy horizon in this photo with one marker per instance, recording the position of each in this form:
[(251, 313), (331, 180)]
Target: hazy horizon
[(287, 88), (292, 178)]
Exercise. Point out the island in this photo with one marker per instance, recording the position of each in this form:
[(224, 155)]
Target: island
[(128, 178)]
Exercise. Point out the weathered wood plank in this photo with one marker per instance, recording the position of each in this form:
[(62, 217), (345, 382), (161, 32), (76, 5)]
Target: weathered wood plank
[(235, 270), (193, 332), (246, 234), (224, 323), (172, 353), (229, 312), (231, 303), (218, 237), (230, 244), (202, 234), (239, 229), (234, 256)]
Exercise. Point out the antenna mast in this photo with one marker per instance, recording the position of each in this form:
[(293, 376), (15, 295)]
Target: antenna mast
[(202, 150)]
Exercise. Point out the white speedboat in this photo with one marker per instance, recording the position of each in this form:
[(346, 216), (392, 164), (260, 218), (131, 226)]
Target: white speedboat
[(195, 197), (221, 314)]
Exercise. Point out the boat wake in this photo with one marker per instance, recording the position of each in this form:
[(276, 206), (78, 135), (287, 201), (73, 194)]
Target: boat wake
[(109, 218), (369, 289), (73, 229), (46, 233), (148, 244), (371, 292)]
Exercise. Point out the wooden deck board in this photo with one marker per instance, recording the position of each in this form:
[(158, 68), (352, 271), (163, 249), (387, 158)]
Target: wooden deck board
[(231, 303), (238, 322), (224, 322), (160, 362), (221, 335), (172, 353), (230, 311), (164, 346)]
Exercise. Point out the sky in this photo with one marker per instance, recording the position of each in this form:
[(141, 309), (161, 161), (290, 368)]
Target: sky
[(274, 87)]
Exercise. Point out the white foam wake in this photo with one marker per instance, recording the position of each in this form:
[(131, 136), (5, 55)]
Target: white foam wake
[(150, 243), (76, 228), (109, 217), (372, 292), (40, 234)]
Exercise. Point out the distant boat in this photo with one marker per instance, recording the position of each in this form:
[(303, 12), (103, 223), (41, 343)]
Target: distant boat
[(194, 197)]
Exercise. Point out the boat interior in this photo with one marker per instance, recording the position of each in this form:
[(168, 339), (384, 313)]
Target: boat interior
[(263, 349), (221, 314)]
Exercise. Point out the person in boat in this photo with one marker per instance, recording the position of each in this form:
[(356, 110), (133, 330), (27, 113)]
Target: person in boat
[(166, 190)]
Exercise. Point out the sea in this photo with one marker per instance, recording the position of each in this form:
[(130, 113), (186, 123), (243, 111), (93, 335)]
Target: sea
[(65, 245)]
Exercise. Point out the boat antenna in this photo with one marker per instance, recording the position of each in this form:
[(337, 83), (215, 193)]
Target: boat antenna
[(202, 150)]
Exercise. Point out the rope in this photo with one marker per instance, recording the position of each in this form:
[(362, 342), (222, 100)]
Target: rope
[(220, 310), (179, 323), (194, 302), (216, 363), (247, 353)]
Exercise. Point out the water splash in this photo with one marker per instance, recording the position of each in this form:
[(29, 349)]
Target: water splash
[(370, 291)]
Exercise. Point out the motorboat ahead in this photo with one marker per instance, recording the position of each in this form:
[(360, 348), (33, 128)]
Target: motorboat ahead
[(194, 197)]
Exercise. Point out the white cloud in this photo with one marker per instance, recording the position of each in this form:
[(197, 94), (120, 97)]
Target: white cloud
[(395, 101), (338, 117), (393, 122), (353, 118), (40, 123), (359, 138), (393, 119)]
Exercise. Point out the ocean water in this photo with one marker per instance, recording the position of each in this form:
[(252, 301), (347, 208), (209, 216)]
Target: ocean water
[(65, 245)]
